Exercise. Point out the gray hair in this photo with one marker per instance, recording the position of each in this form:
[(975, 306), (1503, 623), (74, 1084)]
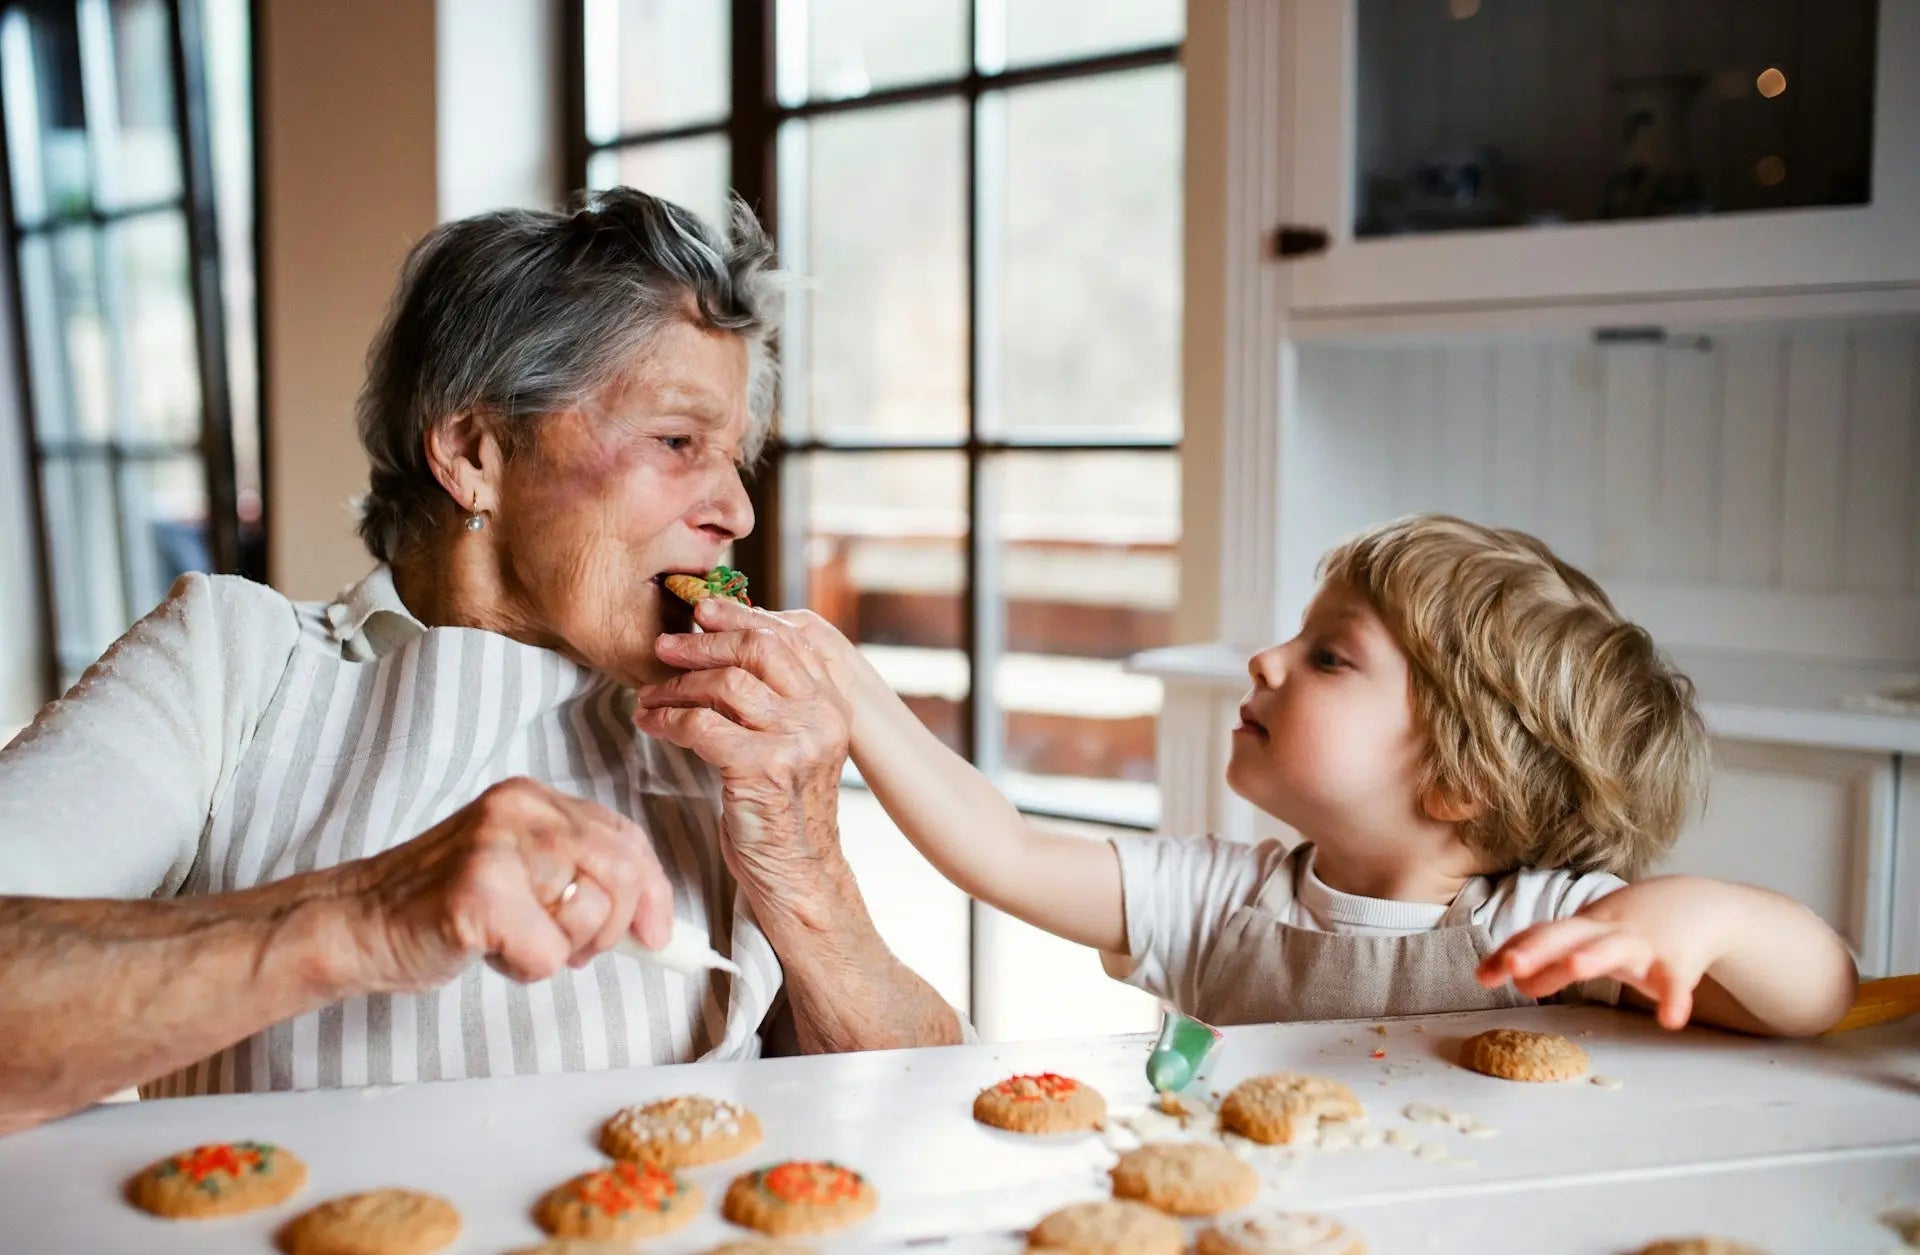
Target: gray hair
[(517, 314)]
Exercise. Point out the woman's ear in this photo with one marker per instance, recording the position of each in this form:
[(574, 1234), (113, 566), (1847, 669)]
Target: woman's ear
[(466, 460), (1442, 806)]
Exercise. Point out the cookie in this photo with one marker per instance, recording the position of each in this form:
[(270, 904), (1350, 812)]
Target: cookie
[(1514, 1054), (1286, 1106), (722, 581), (1115, 1227), (576, 1246), (221, 1179), (755, 1246), (622, 1201), (1279, 1233), (680, 1132), (1185, 1178), (1698, 1246), (379, 1222), (1042, 1103), (799, 1196)]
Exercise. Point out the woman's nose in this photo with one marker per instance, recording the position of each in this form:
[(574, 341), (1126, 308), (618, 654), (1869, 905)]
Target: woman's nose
[(730, 510)]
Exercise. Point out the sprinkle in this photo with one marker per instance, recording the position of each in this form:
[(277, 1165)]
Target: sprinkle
[(1379, 1054)]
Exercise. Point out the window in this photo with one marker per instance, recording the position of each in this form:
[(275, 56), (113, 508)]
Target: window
[(976, 474), (128, 160)]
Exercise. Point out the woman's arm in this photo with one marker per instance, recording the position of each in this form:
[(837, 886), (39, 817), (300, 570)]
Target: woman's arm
[(1725, 954), (952, 813)]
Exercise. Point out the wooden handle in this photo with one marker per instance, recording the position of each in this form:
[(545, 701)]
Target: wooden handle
[(1881, 1000)]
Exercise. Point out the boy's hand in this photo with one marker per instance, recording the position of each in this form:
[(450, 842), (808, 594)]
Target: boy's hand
[(1659, 937)]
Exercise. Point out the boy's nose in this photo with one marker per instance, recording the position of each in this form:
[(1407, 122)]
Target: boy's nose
[(1268, 667)]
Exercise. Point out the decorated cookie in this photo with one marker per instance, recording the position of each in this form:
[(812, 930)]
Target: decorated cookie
[(379, 1222), (622, 1201), (680, 1132), (1044, 1103), (1185, 1178), (1514, 1054), (1115, 1227), (722, 581), (1286, 1106), (799, 1196), (1278, 1233), (221, 1179)]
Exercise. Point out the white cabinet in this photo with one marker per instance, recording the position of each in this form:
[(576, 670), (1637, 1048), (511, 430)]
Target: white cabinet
[(1486, 152)]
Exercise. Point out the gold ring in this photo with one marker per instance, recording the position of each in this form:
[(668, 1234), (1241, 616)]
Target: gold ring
[(566, 895)]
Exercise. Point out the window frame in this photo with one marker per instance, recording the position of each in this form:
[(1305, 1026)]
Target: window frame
[(195, 203), (752, 128)]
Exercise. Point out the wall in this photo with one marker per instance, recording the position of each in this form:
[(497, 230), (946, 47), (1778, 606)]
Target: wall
[(378, 119), (1775, 460)]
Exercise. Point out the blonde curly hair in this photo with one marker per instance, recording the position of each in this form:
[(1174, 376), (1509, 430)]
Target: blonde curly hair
[(1577, 744)]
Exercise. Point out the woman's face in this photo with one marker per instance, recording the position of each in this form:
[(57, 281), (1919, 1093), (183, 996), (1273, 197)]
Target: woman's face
[(643, 480)]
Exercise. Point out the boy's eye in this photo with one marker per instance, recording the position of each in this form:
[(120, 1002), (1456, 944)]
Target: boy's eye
[(1327, 660)]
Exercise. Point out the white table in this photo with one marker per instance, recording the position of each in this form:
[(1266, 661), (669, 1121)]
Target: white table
[(1799, 1147)]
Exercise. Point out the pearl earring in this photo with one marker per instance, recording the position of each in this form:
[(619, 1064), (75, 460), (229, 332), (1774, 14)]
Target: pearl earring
[(475, 519)]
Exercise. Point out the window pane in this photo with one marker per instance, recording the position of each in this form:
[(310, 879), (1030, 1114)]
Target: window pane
[(166, 525), (654, 64), (89, 602), (920, 914), (691, 172), (838, 49), (148, 259), (1055, 30), (1083, 291), (885, 557), (878, 342), (66, 335), (45, 112), (1480, 114), (134, 124), (1087, 567)]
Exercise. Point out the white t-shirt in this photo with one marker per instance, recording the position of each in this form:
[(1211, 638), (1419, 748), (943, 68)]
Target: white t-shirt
[(1180, 891)]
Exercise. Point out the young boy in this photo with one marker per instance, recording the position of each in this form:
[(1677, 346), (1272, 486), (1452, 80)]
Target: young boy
[(1475, 746)]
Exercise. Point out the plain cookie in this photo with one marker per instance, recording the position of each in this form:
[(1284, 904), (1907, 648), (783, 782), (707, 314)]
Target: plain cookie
[(379, 1222), (1285, 1106), (1698, 1246), (220, 1179), (1116, 1227), (799, 1196), (680, 1132), (622, 1201), (1279, 1233), (1514, 1054), (1185, 1178), (1041, 1103)]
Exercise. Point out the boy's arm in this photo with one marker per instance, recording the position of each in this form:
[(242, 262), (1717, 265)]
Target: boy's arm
[(1726, 954), (1069, 886)]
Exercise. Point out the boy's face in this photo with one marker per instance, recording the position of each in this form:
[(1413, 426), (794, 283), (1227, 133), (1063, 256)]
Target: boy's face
[(1327, 740)]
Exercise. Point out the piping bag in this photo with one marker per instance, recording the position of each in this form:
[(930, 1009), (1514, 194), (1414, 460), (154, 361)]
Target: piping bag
[(1183, 1052)]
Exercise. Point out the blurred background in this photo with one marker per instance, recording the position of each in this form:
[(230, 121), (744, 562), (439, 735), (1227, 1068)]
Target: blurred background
[(1116, 313)]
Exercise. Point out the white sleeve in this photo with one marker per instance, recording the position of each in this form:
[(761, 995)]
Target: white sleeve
[(1529, 896), (108, 792), (1178, 893)]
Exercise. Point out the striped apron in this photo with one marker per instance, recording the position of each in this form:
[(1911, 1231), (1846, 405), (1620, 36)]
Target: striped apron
[(352, 758)]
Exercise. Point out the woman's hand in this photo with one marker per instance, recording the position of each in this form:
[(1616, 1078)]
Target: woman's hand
[(767, 707), (492, 879)]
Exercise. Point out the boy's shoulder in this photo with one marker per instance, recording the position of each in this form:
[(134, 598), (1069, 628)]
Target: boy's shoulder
[(1536, 895)]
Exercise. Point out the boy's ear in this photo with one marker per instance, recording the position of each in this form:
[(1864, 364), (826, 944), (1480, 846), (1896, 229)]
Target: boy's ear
[(1442, 806)]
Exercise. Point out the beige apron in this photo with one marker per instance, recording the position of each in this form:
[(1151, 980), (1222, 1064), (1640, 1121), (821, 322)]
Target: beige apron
[(1265, 970)]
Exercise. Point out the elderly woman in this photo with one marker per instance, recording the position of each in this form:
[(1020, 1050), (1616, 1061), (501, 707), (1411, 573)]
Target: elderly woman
[(265, 845)]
